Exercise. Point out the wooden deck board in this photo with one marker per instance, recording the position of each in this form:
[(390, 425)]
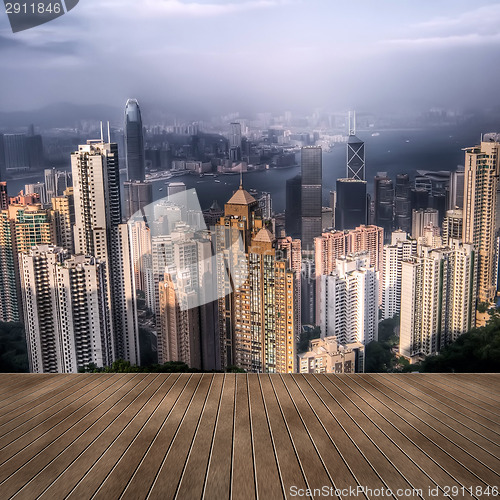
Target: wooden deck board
[(111, 436)]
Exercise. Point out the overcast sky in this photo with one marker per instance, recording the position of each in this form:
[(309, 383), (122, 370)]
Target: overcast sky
[(258, 54)]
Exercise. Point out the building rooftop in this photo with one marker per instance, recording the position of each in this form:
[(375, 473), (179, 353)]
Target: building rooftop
[(353, 139), (242, 436), (264, 236), (241, 197)]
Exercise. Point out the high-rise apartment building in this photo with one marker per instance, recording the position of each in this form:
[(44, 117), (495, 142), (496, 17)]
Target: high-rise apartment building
[(292, 251), (21, 227), (348, 301), (400, 249), (367, 239), (453, 226), (65, 314), (4, 198), (10, 303), (140, 240), (311, 195), (63, 209), (335, 245), (99, 233), (256, 287), (328, 248), (134, 142), (184, 287), (482, 168), (438, 294)]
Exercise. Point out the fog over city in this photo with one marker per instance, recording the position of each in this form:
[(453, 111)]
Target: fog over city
[(255, 55)]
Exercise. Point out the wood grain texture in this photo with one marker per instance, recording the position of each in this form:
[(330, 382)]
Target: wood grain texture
[(237, 436)]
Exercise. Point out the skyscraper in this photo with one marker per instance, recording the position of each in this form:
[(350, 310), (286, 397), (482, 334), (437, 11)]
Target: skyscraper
[(384, 204), (175, 187), (400, 249), (453, 226), (355, 154), (39, 189), (293, 253), (15, 152), (438, 294), (10, 290), (311, 195), (293, 212), (21, 227), (137, 195), (4, 198), (99, 232), (235, 142), (482, 168), (351, 208), (456, 198), (134, 142), (402, 203), (50, 183), (63, 209), (56, 182), (65, 312), (348, 301), (423, 218), (335, 245), (185, 311), (256, 286)]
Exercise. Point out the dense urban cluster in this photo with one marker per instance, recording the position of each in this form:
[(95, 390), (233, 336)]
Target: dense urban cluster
[(88, 261)]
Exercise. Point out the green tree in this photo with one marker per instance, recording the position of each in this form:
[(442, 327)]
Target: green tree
[(13, 348), (306, 336), (477, 351)]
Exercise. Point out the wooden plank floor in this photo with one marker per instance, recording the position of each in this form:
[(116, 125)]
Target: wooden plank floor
[(189, 436)]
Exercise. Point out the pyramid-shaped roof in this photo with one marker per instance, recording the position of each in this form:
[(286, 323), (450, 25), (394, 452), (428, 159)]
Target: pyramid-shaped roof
[(353, 139), (264, 236), (241, 197)]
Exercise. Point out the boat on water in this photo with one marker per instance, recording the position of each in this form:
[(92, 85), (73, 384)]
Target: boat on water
[(217, 180), (375, 134)]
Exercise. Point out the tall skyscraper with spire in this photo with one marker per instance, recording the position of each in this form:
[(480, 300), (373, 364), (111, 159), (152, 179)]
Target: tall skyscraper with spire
[(355, 153), (257, 286), (137, 193), (134, 141)]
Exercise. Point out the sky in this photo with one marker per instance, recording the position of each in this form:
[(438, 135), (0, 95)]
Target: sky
[(258, 55)]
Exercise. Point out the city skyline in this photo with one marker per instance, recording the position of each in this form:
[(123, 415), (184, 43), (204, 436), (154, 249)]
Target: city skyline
[(277, 276)]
